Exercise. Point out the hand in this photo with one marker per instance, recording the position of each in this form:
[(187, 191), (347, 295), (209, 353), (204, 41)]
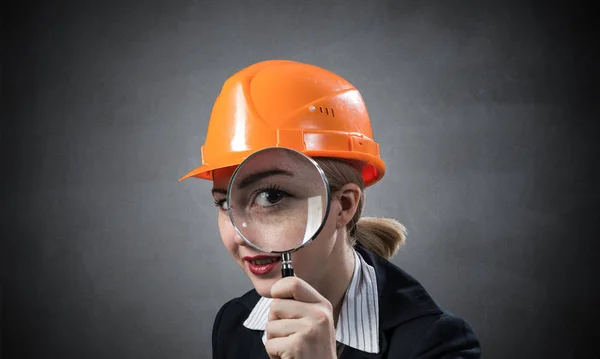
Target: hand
[(301, 327)]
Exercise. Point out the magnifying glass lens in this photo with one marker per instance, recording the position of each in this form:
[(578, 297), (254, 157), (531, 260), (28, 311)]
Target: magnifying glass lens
[(278, 200)]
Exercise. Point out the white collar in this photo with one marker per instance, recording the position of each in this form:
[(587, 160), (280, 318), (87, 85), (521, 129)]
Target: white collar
[(358, 321)]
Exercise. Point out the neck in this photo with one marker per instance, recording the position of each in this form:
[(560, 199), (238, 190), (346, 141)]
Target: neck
[(338, 274)]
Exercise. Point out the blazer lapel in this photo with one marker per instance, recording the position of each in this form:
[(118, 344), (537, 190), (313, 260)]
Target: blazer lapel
[(401, 298)]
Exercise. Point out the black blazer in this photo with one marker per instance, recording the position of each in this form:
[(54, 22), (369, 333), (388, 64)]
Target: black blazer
[(411, 324)]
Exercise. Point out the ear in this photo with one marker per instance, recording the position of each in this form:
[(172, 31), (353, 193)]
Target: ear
[(348, 196)]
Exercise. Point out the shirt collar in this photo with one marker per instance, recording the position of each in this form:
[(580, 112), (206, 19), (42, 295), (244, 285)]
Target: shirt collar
[(358, 321)]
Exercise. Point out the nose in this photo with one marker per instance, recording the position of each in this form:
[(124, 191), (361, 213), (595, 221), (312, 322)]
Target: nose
[(237, 238), (232, 233)]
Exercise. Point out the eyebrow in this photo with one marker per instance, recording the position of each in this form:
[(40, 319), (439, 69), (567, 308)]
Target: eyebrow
[(218, 190), (255, 177)]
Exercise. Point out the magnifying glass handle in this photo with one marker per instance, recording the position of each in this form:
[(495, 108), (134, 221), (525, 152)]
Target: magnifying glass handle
[(287, 270)]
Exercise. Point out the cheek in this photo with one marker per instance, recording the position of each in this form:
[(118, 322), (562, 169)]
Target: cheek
[(326, 239), (329, 229), (226, 230), (321, 247)]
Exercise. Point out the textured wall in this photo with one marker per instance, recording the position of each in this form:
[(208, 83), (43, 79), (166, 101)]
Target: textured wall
[(484, 114)]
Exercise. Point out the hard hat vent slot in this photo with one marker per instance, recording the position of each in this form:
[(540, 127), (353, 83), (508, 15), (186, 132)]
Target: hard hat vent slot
[(326, 110)]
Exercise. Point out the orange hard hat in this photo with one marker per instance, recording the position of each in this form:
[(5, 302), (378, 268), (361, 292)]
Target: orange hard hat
[(289, 104)]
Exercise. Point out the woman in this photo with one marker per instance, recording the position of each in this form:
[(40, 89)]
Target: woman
[(346, 299)]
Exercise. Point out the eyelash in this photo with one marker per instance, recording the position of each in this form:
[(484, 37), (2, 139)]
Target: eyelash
[(270, 187), (219, 203), (267, 188)]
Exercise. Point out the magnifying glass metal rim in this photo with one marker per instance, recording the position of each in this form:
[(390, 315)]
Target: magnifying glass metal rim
[(327, 192)]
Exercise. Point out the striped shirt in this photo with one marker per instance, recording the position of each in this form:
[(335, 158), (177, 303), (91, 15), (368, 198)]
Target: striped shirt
[(358, 321)]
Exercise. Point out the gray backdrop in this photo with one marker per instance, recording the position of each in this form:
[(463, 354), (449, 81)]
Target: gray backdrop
[(484, 112)]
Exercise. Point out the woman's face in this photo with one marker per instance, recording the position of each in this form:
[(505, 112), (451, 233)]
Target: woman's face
[(310, 261)]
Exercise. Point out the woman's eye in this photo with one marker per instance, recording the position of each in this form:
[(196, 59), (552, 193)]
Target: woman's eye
[(222, 204), (269, 198)]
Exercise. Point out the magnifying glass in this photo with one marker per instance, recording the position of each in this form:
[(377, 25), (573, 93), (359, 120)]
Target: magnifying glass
[(278, 201)]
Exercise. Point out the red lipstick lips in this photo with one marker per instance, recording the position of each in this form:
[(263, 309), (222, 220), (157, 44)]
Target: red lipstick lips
[(261, 265)]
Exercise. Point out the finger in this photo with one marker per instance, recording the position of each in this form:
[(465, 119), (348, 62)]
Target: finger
[(289, 309), (284, 327), (281, 347), (275, 347), (296, 288)]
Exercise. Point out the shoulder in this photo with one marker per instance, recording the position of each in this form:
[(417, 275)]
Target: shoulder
[(408, 314), (229, 322), (439, 336), (449, 337)]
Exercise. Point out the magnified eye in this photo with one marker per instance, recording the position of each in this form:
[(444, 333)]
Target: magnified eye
[(269, 197)]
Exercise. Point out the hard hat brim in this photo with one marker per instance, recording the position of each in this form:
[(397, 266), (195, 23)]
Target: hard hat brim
[(203, 172), (373, 170)]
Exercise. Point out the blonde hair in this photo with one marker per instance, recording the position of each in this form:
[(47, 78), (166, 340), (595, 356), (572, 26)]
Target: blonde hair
[(382, 236)]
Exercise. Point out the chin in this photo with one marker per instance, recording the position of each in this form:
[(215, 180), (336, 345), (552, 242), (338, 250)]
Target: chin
[(263, 286)]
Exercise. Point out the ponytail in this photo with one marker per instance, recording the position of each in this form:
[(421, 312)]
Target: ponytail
[(382, 236)]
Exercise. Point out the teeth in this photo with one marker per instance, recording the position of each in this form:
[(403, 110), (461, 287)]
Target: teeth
[(264, 261)]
